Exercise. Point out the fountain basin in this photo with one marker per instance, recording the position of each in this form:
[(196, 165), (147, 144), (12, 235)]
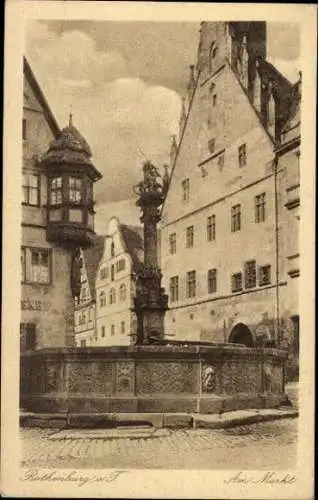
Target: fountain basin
[(152, 379)]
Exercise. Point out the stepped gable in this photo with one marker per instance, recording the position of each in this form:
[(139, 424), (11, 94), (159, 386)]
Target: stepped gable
[(133, 240), (92, 258)]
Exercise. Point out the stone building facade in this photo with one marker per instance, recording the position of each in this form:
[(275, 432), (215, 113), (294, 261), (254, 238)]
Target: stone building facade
[(54, 222), (116, 322), (229, 232)]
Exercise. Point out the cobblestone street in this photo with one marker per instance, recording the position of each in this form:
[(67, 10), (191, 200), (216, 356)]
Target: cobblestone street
[(267, 445)]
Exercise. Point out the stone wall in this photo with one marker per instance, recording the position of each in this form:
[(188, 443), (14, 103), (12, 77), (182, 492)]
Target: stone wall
[(206, 379)]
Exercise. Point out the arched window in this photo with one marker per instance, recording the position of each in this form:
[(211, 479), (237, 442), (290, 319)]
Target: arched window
[(122, 292), (102, 299), (212, 55), (112, 296)]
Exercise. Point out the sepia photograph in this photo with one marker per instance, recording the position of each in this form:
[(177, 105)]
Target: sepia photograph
[(160, 250)]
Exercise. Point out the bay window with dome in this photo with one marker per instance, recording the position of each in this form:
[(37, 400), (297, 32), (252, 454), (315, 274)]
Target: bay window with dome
[(71, 175)]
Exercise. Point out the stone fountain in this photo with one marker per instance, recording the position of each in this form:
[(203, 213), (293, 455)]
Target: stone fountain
[(153, 376)]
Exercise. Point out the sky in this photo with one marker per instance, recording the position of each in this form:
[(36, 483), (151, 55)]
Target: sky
[(123, 83)]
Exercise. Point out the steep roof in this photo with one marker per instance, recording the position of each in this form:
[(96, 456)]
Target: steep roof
[(133, 239), (50, 118), (92, 258), (70, 147)]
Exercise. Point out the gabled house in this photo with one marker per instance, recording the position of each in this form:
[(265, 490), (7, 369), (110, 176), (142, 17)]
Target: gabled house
[(225, 221), (85, 306), (116, 322)]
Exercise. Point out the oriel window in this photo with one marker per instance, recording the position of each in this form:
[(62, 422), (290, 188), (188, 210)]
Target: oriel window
[(31, 190), (236, 218), (191, 284), (212, 284), (56, 195), (210, 228), (75, 189), (260, 202)]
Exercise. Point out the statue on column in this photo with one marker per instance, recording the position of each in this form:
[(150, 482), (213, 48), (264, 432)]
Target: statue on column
[(151, 301)]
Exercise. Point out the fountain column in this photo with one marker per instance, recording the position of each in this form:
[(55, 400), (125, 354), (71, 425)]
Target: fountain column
[(151, 302)]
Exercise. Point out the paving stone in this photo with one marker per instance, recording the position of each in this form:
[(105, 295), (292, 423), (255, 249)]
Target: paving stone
[(227, 448)]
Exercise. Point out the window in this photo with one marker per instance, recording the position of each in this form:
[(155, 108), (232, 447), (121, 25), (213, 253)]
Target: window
[(211, 145), (112, 330), (122, 327), (237, 282), (112, 296), (191, 284), (260, 208), (112, 272), (173, 243), (212, 55), (186, 189), (189, 237), (242, 155), (102, 299), (112, 249), (104, 273), (212, 281), (174, 288), (28, 336), (210, 228), (31, 189), (236, 218), (24, 129), (122, 292), (56, 191), (250, 274), (264, 275), (214, 100), (75, 190), (102, 331), (36, 265), (83, 343), (221, 161), (120, 265)]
